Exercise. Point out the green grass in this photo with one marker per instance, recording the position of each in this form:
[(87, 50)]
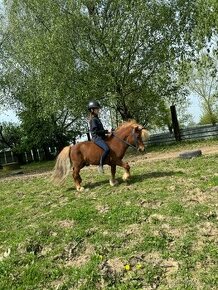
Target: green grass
[(158, 231)]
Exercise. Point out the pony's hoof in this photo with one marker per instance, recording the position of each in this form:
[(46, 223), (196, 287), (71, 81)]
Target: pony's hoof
[(126, 176), (113, 182), (80, 188)]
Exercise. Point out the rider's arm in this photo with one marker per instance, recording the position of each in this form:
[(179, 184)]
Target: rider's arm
[(94, 126)]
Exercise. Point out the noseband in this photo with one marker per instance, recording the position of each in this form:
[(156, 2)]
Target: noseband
[(136, 142)]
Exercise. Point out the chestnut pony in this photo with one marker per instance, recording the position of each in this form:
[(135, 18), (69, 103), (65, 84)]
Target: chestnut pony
[(87, 153)]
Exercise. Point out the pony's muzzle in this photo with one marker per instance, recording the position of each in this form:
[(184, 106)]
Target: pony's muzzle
[(141, 148)]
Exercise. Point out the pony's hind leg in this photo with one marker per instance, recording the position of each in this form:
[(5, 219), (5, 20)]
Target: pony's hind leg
[(77, 178), (113, 181), (126, 167)]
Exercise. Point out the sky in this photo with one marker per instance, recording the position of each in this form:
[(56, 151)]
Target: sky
[(194, 110), (8, 116)]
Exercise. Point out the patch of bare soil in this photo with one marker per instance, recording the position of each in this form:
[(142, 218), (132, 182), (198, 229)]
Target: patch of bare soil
[(174, 232), (151, 156), (170, 266), (131, 235), (208, 230), (111, 270), (102, 208), (66, 223), (27, 176), (82, 258), (197, 196)]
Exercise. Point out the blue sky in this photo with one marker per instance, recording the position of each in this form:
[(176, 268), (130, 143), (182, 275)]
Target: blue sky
[(8, 116), (195, 109)]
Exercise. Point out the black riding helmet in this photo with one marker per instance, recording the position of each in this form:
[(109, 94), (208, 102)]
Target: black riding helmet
[(93, 105)]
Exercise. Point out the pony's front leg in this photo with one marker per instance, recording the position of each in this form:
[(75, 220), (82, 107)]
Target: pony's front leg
[(77, 179), (126, 167), (113, 181)]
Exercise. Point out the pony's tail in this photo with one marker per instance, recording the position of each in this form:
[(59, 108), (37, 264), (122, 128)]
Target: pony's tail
[(62, 166)]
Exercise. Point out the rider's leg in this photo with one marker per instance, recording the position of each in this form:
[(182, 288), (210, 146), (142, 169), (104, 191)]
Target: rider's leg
[(104, 146)]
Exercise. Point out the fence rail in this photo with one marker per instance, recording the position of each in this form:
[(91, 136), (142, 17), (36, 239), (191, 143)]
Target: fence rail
[(187, 134), (7, 156)]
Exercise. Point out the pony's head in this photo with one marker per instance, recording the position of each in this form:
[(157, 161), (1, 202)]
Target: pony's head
[(135, 134), (138, 136)]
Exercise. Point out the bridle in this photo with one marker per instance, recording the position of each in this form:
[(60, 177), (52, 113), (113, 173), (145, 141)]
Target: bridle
[(136, 143)]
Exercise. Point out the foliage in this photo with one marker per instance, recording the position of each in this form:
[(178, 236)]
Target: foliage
[(10, 136), (207, 22), (56, 130), (204, 83), (163, 119), (35, 133), (209, 117), (128, 54)]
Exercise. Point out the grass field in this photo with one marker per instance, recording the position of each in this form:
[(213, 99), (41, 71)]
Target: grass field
[(158, 231)]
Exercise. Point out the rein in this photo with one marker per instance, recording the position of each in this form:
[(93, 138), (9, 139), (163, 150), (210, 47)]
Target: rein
[(127, 143)]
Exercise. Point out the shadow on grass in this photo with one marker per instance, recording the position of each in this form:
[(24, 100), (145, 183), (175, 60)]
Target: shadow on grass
[(92, 185), (157, 174), (136, 178), (150, 175)]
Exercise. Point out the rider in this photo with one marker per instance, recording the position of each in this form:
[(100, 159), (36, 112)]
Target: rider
[(98, 132)]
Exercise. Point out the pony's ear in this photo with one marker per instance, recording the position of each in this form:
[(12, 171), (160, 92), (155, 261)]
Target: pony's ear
[(138, 128)]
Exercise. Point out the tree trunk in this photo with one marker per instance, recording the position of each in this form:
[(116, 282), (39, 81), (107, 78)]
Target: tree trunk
[(124, 112), (121, 105)]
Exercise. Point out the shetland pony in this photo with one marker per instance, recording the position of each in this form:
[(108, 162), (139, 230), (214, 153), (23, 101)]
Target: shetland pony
[(86, 153)]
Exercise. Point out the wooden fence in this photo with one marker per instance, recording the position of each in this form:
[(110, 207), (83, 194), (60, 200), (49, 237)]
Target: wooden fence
[(7, 156), (187, 134)]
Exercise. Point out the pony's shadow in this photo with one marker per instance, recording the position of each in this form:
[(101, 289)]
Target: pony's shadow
[(155, 174), (135, 178)]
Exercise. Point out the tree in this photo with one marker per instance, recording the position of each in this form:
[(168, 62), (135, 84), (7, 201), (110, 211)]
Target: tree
[(204, 83), (209, 117), (129, 55), (10, 135), (62, 53), (134, 47), (163, 120), (206, 30), (54, 131)]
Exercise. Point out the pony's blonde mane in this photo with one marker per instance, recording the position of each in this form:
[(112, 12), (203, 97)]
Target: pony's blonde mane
[(133, 124), (130, 123)]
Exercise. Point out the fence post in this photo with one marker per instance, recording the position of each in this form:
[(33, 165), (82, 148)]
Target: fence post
[(5, 157), (175, 123)]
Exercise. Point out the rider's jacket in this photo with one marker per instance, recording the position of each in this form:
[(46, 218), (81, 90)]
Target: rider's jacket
[(96, 128)]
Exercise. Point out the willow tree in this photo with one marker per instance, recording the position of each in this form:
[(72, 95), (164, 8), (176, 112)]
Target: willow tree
[(204, 84), (38, 76), (132, 50)]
